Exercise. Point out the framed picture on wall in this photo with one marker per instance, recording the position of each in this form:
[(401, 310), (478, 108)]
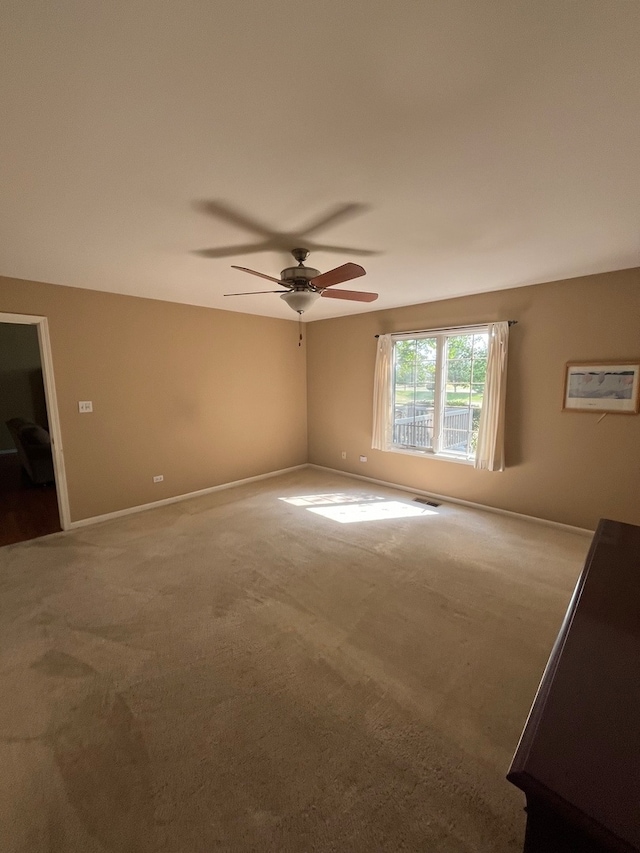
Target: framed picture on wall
[(602, 386)]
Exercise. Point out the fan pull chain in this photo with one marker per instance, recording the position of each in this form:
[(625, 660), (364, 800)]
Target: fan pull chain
[(300, 329)]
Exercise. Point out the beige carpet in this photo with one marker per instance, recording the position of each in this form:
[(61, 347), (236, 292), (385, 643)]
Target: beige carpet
[(238, 673)]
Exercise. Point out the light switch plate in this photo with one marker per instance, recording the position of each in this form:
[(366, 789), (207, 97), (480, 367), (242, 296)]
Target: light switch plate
[(85, 406)]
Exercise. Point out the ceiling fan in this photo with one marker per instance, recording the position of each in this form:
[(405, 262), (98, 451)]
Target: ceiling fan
[(305, 284)]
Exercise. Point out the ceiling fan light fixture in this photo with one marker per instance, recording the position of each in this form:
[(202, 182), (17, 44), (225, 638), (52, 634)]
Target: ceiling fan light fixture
[(300, 300)]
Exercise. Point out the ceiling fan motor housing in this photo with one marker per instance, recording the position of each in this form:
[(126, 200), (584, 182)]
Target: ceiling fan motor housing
[(299, 274)]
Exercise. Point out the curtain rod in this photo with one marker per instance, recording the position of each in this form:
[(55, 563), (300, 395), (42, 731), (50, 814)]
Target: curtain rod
[(447, 328)]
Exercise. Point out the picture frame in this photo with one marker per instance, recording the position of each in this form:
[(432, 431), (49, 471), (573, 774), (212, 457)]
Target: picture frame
[(608, 387)]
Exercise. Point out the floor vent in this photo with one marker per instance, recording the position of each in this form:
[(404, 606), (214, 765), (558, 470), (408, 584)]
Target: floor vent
[(426, 501)]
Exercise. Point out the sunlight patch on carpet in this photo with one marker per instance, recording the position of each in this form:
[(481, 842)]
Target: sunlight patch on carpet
[(346, 509)]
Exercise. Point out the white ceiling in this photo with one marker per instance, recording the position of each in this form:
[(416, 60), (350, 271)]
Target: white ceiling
[(491, 143)]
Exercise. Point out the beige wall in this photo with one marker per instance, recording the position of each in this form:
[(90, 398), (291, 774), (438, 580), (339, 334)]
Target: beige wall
[(201, 396), (206, 397), (565, 466), (21, 388)]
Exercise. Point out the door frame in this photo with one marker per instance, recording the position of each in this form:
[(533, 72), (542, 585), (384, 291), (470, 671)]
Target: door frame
[(46, 360)]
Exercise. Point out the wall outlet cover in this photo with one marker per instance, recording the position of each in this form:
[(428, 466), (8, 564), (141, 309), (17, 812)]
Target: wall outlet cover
[(363, 458), (85, 406)]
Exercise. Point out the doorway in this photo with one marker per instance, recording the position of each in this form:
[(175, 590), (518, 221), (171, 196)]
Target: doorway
[(33, 497)]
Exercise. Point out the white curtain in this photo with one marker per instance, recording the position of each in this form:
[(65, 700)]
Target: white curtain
[(490, 449), (382, 394)]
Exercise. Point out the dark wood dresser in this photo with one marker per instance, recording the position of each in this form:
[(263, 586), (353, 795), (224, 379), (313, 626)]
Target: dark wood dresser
[(578, 760)]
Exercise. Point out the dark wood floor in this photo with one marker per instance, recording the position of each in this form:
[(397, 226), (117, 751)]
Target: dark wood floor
[(26, 511)]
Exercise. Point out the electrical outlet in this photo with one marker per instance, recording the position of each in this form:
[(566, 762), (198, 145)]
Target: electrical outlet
[(158, 478), (344, 454), (363, 458), (85, 406)]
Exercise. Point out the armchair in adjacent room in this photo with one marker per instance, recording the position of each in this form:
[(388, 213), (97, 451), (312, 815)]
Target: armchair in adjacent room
[(33, 444)]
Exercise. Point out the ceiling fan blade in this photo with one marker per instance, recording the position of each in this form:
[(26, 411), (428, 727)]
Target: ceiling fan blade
[(354, 295), (262, 275), (336, 276), (251, 292)]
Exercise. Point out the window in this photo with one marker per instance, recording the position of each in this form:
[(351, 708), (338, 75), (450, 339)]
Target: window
[(437, 389)]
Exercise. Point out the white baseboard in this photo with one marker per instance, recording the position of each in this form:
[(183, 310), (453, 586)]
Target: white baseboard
[(446, 499), (96, 519)]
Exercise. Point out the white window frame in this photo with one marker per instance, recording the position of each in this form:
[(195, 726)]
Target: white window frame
[(439, 402)]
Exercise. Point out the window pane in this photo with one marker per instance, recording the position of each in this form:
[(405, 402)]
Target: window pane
[(455, 429), (457, 344), (478, 393), (479, 370), (457, 424), (414, 392), (459, 356), (405, 362), (428, 348), (480, 345)]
